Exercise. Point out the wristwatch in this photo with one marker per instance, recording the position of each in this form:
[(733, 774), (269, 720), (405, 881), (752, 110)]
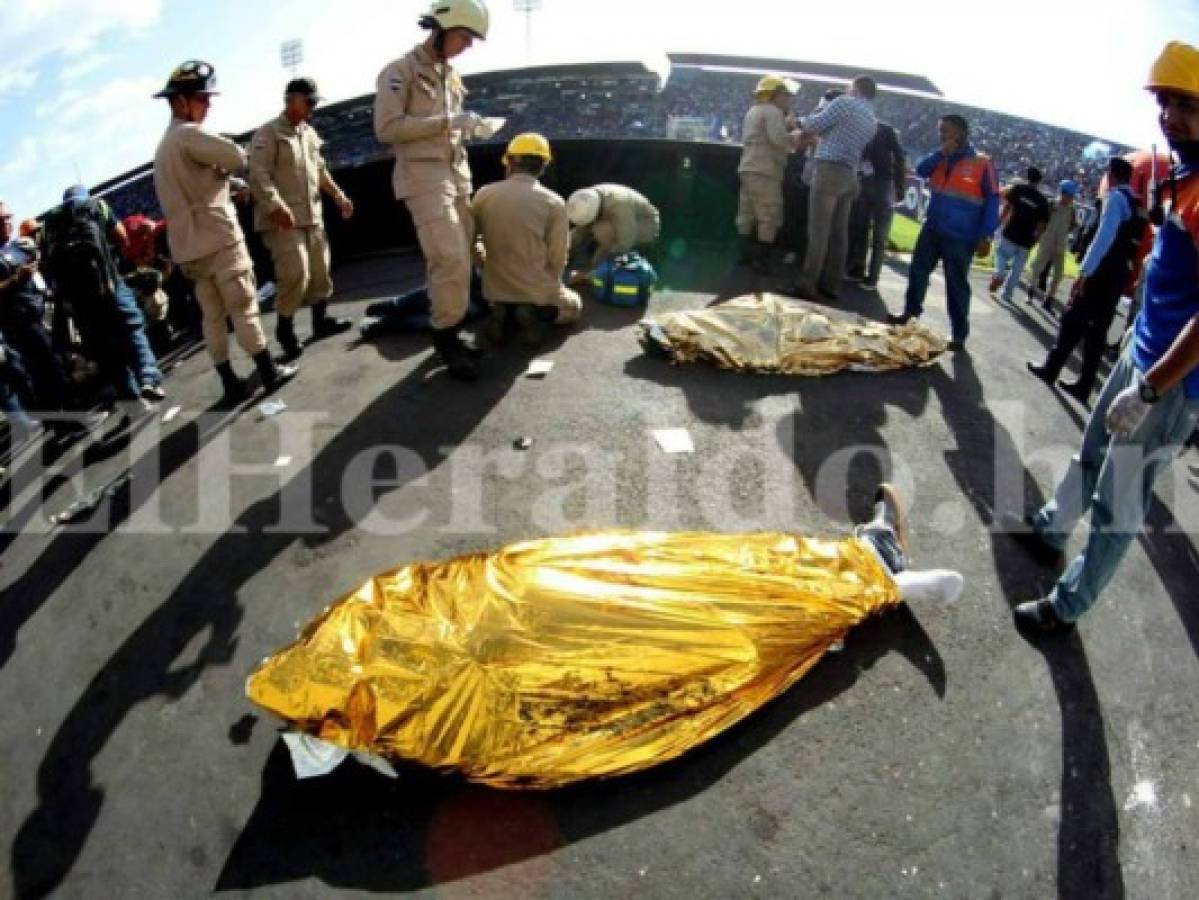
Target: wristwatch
[(1148, 392)]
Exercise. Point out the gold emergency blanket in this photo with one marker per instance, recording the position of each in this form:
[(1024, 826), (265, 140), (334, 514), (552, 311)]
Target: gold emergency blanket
[(772, 334), (556, 660)]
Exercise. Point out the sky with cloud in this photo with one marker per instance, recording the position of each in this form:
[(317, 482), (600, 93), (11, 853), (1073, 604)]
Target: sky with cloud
[(76, 75)]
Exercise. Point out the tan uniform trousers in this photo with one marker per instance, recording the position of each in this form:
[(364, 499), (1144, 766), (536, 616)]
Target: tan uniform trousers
[(301, 257), (760, 207), (224, 284), (569, 305), (1051, 254), (446, 229)]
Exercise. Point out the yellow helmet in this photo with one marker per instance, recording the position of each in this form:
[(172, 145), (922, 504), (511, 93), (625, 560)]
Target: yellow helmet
[(770, 84), (529, 144), (1177, 69)]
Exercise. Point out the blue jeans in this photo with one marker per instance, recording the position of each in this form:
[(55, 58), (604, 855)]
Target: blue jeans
[(884, 540), (144, 363), (1112, 478), (932, 248), (411, 313), (1013, 255), (16, 390), (114, 335)]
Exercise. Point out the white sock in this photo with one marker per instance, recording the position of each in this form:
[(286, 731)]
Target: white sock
[(932, 585)]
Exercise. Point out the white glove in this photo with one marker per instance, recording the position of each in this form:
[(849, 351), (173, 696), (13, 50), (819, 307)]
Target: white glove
[(467, 122), (1127, 411), (489, 128)]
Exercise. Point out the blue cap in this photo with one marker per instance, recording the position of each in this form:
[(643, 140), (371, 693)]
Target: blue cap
[(1069, 188), (76, 192)]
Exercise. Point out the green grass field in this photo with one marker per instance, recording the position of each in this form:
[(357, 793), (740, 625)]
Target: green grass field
[(904, 232)]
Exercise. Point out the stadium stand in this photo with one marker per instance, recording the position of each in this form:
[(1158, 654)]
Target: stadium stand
[(704, 98)]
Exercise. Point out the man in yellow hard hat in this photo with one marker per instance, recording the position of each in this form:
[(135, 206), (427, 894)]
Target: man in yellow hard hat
[(525, 237), (1150, 404), (770, 136)]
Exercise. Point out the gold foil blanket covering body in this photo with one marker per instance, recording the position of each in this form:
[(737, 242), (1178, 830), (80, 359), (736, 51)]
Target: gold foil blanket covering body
[(771, 334), (562, 659)]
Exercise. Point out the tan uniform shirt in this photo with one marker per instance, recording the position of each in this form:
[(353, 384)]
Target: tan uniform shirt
[(767, 143), (415, 99), (286, 171), (632, 218), (526, 235), (191, 177)]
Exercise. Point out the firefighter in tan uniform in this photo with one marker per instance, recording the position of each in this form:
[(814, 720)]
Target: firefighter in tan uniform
[(525, 239), (613, 218), (769, 138), (192, 169), (287, 176), (418, 112)]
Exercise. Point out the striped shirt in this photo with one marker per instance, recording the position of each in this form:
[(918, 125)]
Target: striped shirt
[(845, 127)]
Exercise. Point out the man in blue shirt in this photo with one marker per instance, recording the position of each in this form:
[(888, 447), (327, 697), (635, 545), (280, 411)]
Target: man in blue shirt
[(1096, 294), (961, 218), (1150, 404)]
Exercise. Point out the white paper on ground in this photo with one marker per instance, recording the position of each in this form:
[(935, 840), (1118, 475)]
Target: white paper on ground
[(283, 462), (171, 413), (272, 408), (539, 368), (311, 757), (674, 440)]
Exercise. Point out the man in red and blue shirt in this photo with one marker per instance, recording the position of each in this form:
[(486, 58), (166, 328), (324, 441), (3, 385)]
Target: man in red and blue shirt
[(1150, 404), (961, 218)]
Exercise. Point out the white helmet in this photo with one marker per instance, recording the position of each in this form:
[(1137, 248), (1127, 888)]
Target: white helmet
[(583, 207), (469, 14)]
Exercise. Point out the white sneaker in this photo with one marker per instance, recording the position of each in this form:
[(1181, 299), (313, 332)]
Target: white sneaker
[(932, 586)]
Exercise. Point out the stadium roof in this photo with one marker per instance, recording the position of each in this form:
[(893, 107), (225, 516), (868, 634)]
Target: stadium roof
[(885, 79), (562, 71)]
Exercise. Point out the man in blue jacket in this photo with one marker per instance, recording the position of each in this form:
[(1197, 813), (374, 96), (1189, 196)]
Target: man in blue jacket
[(961, 218)]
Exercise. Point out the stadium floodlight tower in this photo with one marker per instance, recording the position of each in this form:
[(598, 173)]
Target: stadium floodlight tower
[(528, 7), (291, 54)]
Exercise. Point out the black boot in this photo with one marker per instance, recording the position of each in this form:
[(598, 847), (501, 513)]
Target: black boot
[(285, 334), (749, 251), (761, 261), (324, 325), (496, 329), (1080, 390), (455, 354), (272, 375), (235, 388), (534, 324), (1047, 373)]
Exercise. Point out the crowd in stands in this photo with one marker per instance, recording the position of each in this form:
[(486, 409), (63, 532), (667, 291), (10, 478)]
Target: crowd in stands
[(628, 101)]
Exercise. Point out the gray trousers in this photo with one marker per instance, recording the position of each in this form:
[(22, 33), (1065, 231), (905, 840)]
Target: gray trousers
[(834, 188)]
